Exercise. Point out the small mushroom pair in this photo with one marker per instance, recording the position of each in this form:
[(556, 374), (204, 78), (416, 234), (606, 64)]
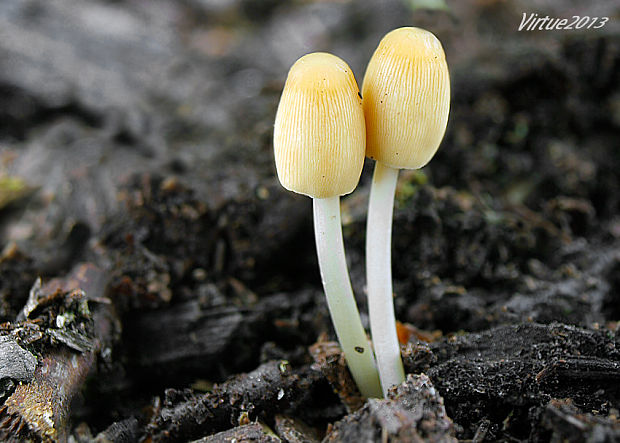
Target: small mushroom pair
[(323, 130)]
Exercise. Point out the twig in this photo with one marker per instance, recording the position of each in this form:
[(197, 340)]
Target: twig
[(273, 387)]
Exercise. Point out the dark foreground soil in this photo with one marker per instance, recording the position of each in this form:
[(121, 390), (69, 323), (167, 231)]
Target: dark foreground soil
[(179, 297)]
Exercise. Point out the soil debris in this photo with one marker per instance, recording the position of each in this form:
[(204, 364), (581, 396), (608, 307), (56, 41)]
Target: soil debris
[(567, 423), (511, 373), (413, 412), (293, 430)]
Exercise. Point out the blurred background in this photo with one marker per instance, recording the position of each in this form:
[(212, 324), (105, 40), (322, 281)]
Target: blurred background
[(95, 91), (149, 122)]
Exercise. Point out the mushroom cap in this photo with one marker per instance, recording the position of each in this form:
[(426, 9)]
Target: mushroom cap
[(319, 137), (406, 102)]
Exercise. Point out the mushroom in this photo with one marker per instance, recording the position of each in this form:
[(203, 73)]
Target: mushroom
[(319, 143), (406, 92)]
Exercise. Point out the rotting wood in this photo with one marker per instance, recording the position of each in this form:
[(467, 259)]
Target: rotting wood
[(70, 337), (272, 388)]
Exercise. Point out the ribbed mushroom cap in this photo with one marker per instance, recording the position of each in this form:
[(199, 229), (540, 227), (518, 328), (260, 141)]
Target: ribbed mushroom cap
[(406, 93), (319, 137)]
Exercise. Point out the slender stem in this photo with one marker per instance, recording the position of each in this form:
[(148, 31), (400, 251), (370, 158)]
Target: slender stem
[(340, 300), (379, 276)]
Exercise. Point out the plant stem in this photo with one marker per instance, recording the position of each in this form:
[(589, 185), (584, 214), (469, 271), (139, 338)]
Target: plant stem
[(340, 300), (379, 276)]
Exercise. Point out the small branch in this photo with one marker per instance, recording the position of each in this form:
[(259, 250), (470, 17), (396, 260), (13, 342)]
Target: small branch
[(250, 432), (272, 388), (581, 368), (43, 404)]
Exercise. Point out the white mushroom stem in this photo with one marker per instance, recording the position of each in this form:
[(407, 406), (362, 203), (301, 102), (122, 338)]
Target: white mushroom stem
[(340, 300), (379, 275)]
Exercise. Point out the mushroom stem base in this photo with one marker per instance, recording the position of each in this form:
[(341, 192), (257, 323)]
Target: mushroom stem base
[(340, 300), (379, 276)]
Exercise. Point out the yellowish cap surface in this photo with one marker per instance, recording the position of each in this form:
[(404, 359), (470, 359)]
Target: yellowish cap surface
[(319, 137), (406, 93)]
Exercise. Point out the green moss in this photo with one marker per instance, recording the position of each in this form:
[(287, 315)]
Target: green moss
[(408, 185), (12, 189)]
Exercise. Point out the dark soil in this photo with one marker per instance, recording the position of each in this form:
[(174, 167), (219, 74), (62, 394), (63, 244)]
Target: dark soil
[(180, 297)]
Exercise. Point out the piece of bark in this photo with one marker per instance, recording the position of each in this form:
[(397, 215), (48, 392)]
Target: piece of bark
[(272, 388), (15, 361), (292, 430), (247, 433), (413, 412), (329, 359)]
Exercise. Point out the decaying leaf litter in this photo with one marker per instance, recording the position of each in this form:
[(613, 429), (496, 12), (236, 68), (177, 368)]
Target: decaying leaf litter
[(155, 190)]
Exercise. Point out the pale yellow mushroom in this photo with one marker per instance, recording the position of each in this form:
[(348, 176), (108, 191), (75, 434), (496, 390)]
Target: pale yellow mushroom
[(319, 137), (406, 93), (406, 103), (319, 146)]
